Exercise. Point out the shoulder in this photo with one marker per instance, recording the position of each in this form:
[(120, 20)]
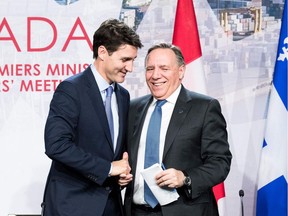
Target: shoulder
[(140, 101), (76, 84), (199, 98), (195, 95), (86, 75), (121, 89)]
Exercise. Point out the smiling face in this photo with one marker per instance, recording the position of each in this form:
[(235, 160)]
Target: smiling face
[(163, 73), (114, 66)]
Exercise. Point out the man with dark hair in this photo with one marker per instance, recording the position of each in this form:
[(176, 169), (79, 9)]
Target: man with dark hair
[(182, 130), (86, 129)]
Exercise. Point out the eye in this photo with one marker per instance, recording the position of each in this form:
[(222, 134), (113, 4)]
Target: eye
[(164, 69), (149, 69), (127, 59)]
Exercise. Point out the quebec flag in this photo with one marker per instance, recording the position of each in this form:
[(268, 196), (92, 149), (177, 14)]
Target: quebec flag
[(272, 176)]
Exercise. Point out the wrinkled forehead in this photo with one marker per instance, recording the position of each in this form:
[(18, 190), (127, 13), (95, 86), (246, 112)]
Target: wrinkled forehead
[(160, 56)]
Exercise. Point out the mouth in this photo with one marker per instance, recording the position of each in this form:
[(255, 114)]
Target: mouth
[(158, 84), (123, 73)]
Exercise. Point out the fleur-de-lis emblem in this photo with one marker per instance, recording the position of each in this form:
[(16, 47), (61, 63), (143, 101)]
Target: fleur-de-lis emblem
[(284, 55)]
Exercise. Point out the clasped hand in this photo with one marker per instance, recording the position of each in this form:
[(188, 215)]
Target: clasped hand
[(122, 169)]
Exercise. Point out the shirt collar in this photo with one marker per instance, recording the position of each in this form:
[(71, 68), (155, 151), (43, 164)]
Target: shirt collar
[(172, 98), (101, 82)]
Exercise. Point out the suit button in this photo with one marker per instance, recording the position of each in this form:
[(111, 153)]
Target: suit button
[(108, 189)]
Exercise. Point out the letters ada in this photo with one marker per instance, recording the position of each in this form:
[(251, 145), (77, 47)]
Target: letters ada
[(9, 37)]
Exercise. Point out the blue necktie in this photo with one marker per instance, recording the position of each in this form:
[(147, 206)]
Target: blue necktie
[(108, 110), (152, 148)]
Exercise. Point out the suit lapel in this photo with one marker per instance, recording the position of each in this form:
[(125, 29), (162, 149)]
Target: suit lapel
[(140, 114), (97, 102), (121, 111), (178, 116)]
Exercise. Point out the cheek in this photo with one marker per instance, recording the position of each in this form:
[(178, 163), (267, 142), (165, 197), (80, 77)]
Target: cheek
[(120, 66), (115, 64), (177, 78), (147, 76)]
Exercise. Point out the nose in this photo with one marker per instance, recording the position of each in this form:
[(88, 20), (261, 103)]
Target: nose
[(129, 66), (156, 73)]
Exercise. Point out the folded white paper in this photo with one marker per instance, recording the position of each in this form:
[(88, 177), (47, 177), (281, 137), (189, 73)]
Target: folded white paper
[(163, 195)]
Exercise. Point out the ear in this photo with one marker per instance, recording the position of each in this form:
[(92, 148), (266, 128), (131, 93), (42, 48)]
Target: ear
[(181, 70), (102, 52)]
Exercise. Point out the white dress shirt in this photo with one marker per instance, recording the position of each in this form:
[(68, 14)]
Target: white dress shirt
[(167, 110), (103, 85)]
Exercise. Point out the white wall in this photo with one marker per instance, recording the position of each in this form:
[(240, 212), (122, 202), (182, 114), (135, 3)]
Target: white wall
[(242, 92)]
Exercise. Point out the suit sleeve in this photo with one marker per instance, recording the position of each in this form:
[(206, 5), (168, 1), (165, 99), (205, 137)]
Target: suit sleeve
[(61, 135), (215, 153)]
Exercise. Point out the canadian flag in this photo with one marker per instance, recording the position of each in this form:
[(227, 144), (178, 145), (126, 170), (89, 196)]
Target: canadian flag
[(186, 37)]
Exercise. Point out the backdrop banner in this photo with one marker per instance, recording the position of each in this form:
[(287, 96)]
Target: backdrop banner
[(43, 42)]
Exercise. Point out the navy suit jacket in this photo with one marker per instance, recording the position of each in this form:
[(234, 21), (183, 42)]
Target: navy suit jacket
[(77, 139), (196, 142)]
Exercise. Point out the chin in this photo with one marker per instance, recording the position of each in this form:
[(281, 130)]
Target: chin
[(158, 92), (120, 79), (157, 96)]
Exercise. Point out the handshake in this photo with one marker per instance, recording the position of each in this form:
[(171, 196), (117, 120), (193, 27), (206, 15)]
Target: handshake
[(122, 169), (170, 178)]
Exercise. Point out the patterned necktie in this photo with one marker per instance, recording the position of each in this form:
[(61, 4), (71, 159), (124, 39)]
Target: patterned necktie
[(108, 110), (152, 148)]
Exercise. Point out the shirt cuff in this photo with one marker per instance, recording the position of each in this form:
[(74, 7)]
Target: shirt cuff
[(110, 171)]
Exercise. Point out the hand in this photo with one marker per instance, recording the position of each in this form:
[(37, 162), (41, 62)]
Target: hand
[(121, 166), (125, 179), (171, 178)]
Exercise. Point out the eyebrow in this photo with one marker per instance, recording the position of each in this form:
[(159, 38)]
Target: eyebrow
[(127, 58)]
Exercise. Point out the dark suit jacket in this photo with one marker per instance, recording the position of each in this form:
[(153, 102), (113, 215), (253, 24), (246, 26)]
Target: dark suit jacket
[(78, 140), (196, 142)]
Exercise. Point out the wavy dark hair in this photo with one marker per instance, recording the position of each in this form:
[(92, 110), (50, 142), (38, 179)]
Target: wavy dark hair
[(112, 34)]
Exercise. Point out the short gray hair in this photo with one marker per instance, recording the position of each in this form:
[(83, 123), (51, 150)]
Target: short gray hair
[(175, 49)]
